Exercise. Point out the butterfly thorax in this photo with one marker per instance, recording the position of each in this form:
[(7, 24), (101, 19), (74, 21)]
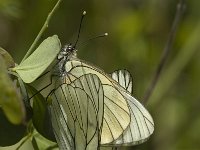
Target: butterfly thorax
[(67, 53)]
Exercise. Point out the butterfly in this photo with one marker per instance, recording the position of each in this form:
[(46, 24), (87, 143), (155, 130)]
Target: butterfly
[(91, 109)]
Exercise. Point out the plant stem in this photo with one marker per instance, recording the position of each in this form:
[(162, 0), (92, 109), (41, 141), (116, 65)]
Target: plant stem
[(44, 27), (176, 66), (166, 50)]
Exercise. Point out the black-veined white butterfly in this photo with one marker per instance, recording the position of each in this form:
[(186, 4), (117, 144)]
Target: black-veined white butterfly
[(91, 108)]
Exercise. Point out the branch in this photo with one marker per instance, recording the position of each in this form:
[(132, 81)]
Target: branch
[(44, 27), (166, 50)]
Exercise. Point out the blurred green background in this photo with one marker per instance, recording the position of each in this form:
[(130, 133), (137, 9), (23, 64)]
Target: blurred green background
[(138, 31)]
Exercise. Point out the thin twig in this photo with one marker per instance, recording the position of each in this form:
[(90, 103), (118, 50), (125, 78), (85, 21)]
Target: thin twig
[(166, 50), (44, 27)]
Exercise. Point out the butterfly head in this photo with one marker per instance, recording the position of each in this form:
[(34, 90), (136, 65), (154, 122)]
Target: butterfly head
[(67, 52)]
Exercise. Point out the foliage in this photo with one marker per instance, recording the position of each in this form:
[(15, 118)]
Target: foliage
[(10, 98), (32, 67)]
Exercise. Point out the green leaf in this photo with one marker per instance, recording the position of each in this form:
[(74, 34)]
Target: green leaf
[(10, 134), (31, 68), (40, 143), (10, 98), (9, 62), (41, 119)]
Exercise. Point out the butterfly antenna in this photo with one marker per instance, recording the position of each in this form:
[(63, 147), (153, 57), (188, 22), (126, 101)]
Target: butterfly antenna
[(79, 30), (93, 38)]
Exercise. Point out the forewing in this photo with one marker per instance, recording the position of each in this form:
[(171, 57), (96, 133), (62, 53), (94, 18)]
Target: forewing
[(124, 78), (60, 123), (77, 118), (92, 86)]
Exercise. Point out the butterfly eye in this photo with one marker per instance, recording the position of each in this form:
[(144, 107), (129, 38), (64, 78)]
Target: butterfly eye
[(70, 48)]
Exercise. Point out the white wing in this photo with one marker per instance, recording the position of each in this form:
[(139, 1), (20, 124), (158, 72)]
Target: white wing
[(141, 125), (116, 116), (76, 118), (124, 78), (117, 130)]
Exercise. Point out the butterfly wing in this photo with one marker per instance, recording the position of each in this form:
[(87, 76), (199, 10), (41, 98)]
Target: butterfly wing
[(124, 78), (76, 117), (116, 117), (141, 125)]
